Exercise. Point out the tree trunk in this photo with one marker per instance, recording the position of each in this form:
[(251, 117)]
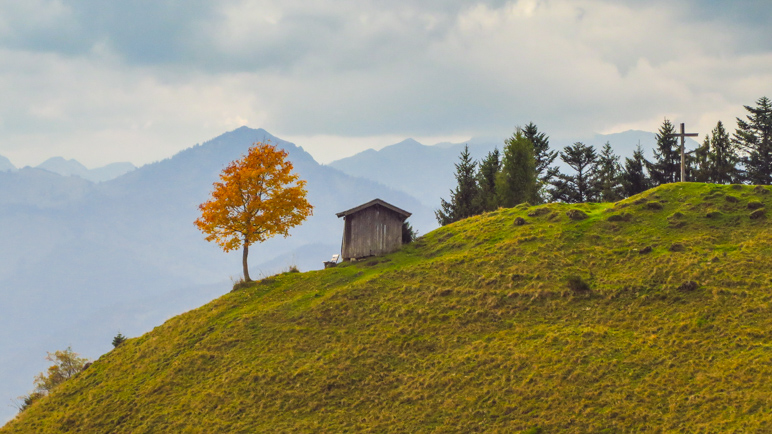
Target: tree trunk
[(244, 263)]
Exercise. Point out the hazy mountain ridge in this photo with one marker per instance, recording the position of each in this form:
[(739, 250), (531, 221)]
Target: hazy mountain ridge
[(427, 172), (72, 167), (6, 165)]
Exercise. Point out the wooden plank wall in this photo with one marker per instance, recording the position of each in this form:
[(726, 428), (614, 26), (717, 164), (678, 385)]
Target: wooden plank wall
[(372, 231)]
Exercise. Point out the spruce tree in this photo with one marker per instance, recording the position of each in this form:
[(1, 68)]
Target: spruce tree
[(702, 169), (516, 182), (667, 156), (463, 200), (543, 156), (634, 177), (582, 186), (609, 175), (486, 181), (754, 137), (723, 157)]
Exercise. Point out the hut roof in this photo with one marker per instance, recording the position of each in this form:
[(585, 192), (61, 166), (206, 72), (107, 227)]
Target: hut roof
[(373, 203)]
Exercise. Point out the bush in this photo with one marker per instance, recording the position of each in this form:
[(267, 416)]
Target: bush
[(577, 284), (66, 365), (408, 233)]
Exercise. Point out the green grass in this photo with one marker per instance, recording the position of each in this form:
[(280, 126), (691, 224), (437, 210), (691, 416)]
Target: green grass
[(472, 328)]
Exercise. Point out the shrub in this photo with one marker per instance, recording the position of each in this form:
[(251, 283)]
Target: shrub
[(408, 233), (66, 365), (240, 284), (577, 284)]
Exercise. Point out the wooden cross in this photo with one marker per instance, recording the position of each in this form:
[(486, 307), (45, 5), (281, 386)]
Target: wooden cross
[(683, 137)]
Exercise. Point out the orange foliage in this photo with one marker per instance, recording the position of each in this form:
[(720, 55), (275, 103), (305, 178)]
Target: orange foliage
[(257, 197)]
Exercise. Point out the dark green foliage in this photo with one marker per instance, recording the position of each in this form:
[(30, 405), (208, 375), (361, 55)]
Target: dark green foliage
[(582, 186), (486, 181), (118, 339), (754, 138), (716, 160), (408, 233), (634, 177), (609, 176), (543, 156), (516, 182), (463, 200), (24, 402), (666, 167), (723, 157), (701, 167), (577, 284)]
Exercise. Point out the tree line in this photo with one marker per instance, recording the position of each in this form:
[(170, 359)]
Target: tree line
[(524, 170)]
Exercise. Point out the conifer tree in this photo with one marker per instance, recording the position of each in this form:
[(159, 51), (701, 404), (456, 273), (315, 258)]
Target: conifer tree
[(634, 177), (516, 182), (464, 199), (543, 156), (486, 181), (702, 169), (723, 157), (754, 137), (609, 175), (667, 155), (582, 185)]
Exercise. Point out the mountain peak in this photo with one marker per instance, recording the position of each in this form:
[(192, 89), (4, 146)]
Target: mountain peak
[(64, 167), (6, 165)]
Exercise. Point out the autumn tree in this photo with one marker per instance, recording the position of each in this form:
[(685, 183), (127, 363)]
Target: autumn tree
[(67, 364), (257, 197)]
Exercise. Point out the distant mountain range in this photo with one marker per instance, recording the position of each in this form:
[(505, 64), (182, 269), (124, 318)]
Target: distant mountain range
[(427, 172), (65, 167), (73, 168), (5, 165), (424, 172)]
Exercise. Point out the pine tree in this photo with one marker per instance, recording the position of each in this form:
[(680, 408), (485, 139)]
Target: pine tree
[(702, 169), (486, 181), (723, 157), (582, 185), (667, 156), (516, 182), (463, 200), (609, 175), (634, 177), (754, 137), (543, 156)]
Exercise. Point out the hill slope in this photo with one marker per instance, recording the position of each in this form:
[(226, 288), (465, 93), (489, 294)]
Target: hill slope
[(473, 328)]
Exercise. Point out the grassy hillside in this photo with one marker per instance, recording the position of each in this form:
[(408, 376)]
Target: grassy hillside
[(473, 328)]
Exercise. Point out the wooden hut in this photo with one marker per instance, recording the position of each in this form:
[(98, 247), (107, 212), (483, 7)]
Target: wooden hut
[(371, 229)]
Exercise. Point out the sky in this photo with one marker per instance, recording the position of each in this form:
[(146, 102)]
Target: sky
[(139, 81)]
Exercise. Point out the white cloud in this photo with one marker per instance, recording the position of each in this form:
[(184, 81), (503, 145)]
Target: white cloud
[(154, 81)]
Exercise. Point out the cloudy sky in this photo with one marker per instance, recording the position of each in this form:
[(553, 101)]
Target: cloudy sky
[(140, 80)]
